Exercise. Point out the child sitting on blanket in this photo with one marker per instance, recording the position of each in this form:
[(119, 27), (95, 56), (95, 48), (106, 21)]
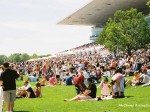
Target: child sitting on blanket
[(105, 88)]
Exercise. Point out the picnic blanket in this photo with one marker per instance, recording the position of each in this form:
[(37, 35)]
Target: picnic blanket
[(96, 99)]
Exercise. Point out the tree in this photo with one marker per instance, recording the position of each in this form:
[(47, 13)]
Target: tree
[(148, 3), (3, 59), (24, 57), (15, 57), (128, 30), (34, 56), (41, 56), (18, 57)]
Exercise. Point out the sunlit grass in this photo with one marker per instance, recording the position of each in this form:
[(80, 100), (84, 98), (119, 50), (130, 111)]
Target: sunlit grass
[(53, 101)]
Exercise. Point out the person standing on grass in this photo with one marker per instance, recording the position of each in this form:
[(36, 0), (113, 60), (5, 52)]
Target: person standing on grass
[(7, 80), (105, 88), (118, 85), (58, 73)]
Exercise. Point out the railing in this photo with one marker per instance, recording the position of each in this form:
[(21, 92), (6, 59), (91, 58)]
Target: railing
[(1, 99), (93, 37)]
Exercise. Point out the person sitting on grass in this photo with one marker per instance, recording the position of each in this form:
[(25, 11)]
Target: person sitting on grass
[(146, 80), (52, 80), (79, 82), (90, 93), (30, 93), (31, 78), (36, 93), (136, 79), (68, 79), (22, 92), (43, 81)]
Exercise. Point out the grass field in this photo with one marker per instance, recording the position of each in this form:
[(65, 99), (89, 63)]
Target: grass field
[(138, 100)]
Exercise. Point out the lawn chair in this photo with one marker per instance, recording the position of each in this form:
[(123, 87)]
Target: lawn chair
[(1, 99)]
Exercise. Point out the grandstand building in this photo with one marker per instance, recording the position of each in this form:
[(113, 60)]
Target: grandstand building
[(97, 12)]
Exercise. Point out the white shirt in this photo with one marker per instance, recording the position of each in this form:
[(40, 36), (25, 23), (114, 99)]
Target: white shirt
[(64, 67), (1, 72), (148, 71), (25, 87), (146, 79), (57, 71)]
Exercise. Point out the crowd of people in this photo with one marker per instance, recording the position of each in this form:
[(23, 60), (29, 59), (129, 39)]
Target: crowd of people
[(110, 71), (82, 47), (90, 48)]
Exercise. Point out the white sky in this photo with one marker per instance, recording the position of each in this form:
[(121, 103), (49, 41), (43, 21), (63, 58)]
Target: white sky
[(31, 26)]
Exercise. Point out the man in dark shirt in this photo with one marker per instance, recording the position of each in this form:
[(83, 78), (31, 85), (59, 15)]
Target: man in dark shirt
[(30, 93), (92, 88), (90, 93), (7, 80)]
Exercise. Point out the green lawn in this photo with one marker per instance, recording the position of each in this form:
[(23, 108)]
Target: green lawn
[(52, 101)]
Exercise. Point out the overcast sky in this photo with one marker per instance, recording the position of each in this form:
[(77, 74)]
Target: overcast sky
[(31, 26)]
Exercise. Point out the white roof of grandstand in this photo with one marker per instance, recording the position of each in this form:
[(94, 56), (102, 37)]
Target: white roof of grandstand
[(97, 12)]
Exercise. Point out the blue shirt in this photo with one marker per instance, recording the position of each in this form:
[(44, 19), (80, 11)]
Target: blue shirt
[(68, 80)]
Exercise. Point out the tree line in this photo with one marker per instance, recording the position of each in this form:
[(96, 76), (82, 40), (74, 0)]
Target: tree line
[(18, 57)]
